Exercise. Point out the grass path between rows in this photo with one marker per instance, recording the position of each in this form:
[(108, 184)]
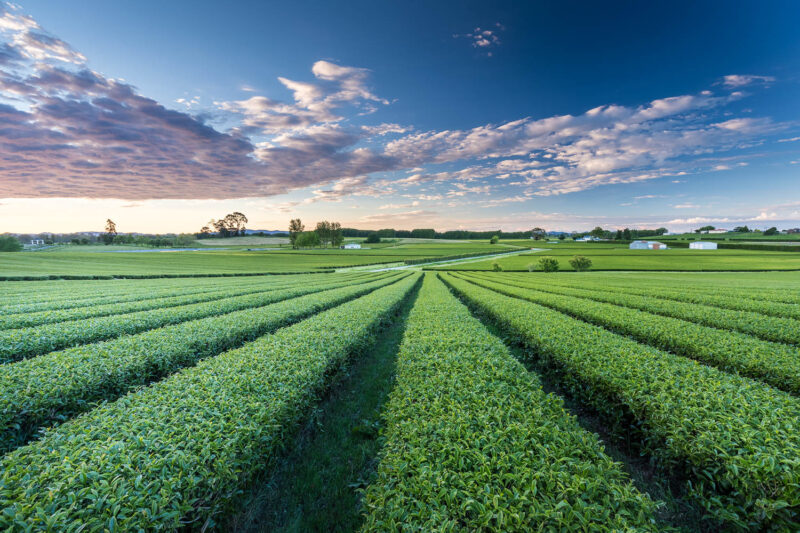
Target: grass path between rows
[(316, 485)]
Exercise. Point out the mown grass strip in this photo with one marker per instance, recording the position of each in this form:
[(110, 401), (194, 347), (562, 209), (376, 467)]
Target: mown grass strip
[(786, 330), (54, 387), (773, 363), (176, 454), (316, 484), (474, 444), (16, 344), (736, 440)]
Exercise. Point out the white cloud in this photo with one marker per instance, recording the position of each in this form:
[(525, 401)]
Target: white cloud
[(740, 80)]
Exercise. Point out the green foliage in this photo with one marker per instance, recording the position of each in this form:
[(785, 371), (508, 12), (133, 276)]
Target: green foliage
[(580, 263), (474, 444), (548, 264), (773, 363), (20, 343), (373, 238), (771, 231), (9, 243), (307, 239), (179, 451), (496, 267), (494, 240), (736, 439), (46, 389)]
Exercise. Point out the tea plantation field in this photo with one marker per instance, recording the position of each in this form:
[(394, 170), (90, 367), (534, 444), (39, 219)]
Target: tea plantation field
[(399, 400), (618, 257)]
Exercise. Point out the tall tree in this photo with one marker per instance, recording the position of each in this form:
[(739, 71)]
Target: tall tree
[(323, 229), (597, 232), (626, 234), (296, 227), (538, 233), (111, 231), (336, 234)]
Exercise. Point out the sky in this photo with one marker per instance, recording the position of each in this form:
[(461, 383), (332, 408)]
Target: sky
[(451, 115)]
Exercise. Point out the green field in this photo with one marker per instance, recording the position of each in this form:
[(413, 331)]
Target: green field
[(455, 400), (121, 261), (620, 257)]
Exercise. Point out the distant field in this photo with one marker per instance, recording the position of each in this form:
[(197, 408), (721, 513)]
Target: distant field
[(620, 257), (248, 240), (125, 262)]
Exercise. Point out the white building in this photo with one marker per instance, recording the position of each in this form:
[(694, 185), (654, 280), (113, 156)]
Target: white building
[(37, 242), (351, 246), (717, 231), (703, 245), (647, 245)]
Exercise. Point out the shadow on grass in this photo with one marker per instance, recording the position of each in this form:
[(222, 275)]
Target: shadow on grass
[(315, 485)]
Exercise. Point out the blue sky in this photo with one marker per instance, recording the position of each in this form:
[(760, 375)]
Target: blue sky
[(450, 115)]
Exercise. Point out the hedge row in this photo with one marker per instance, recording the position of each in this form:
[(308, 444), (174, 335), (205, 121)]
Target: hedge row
[(143, 303), (734, 438), (720, 298), (16, 344), (769, 328), (155, 276), (176, 454), (759, 247), (698, 287), (54, 387), (774, 363), (81, 294), (473, 443)]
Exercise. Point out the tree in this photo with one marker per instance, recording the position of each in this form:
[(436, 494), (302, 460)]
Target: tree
[(618, 236), (205, 232), (538, 233), (235, 222), (548, 264), (496, 267), (336, 234), (373, 238), (111, 231), (626, 234), (597, 232), (184, 240), (307, 239), (771, 231), (704, 229), (296, 227), (562, 237), (741, 229), (494, 240), (323, 230), (9, 243), (580, 263)]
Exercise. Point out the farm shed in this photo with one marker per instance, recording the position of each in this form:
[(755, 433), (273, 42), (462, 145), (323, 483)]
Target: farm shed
[(703, 245), (351, 246), (647, 245)]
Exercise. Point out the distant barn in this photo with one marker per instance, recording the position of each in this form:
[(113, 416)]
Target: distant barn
[(351, 246), (647, 245), (703, 245)]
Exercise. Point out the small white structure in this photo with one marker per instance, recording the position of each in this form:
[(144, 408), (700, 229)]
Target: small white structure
[(37, 242), (719, 230), (351, 246), (647, 245), (703, 245)]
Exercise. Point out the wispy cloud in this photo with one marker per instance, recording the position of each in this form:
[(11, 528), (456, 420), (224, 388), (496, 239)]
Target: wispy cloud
[(740, 80), (484, 39)]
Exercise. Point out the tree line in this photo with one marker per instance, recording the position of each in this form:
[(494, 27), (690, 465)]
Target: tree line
[(324, 234)]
